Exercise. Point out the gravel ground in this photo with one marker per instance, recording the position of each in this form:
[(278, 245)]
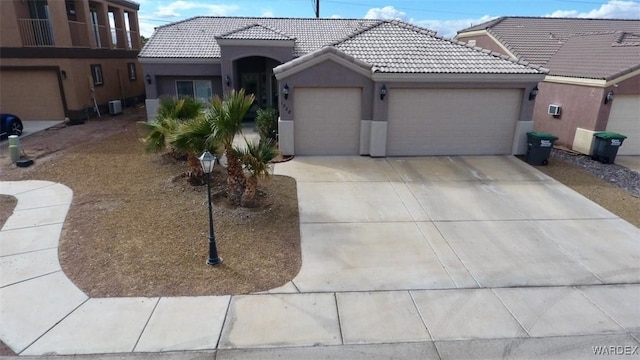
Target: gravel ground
[(613, 187), (613, 173)]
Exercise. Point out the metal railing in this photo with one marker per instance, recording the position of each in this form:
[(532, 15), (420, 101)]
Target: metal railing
[(116, 34), (132, 40), (36, 32), (101, 36)]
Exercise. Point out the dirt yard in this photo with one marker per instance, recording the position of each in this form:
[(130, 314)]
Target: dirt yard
[(136, 228)]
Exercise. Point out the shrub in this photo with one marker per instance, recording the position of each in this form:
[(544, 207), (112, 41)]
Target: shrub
[(267, 124)]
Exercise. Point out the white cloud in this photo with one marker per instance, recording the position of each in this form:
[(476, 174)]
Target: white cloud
[(335, 16), (385, 13), (449, 28), (614, 9), (267, 13), (146, 27), (172, 10)]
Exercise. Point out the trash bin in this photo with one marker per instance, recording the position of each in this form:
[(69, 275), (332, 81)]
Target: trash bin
[(606, 146), (539, 146)]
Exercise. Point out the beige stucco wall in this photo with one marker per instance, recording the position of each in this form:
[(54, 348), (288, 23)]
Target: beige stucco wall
[(78, 82)]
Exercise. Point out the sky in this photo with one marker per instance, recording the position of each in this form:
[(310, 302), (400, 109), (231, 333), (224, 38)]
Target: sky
[(444, 16)]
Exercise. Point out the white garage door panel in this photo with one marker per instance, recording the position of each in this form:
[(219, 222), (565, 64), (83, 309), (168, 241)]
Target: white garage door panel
[(327, 121), (452, 121), (625, 119)]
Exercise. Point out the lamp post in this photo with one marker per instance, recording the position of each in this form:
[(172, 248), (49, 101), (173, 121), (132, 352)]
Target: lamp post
[(207, 161)]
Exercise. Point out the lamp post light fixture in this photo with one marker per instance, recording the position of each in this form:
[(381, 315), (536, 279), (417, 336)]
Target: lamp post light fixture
[(207, 161), (148, 78), (285, 91), (227, 80), (383, 91)]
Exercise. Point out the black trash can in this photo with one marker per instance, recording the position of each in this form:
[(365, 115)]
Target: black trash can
[(539, 145), (606, 146)]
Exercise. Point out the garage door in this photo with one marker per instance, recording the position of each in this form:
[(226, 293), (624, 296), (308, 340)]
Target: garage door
[(31, 94), (625, 119), (452, 121), (327, 121)]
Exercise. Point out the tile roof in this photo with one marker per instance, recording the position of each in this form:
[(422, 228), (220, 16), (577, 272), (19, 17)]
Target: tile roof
[(384, 46), (255, 32), (398, 47), (196, 37), (597, 55), (537, 39)]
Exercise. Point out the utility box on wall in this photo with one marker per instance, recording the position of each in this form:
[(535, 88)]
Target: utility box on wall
[(554, 109)]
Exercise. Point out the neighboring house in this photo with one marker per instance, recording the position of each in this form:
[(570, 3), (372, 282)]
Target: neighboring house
[(594, 73), (349, 86), (58, 58)]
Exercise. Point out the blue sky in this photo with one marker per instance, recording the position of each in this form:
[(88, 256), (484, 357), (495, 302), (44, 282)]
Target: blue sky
[(444, 16)]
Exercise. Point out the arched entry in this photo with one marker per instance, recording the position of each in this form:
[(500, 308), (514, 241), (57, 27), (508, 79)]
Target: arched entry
[(255, 75)]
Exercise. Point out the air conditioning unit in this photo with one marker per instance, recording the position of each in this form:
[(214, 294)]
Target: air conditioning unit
[(115, 107), (554, 109)]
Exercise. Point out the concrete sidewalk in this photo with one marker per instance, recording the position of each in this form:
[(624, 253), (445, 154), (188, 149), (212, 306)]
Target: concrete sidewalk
[(435, 258)]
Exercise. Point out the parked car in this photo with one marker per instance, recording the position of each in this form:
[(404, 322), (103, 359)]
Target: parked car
[(10, 125)]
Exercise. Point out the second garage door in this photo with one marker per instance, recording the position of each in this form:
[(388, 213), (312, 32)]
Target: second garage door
[(452, 121), (40, 101), (327, 121), (625, 119)]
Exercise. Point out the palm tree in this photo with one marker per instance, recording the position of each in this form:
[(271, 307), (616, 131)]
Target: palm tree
[(194, 137), (226, 117), (159, 133), (171, 113), (256, 158)]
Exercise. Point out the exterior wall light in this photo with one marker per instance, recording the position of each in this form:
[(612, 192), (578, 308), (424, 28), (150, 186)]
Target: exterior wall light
[(383, 91), (533, 93), (227, 80), (285, 91), (609, 97), (148, 77)]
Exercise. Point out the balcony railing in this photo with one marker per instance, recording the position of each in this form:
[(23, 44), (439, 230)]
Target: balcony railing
[(115, 35), (79, 36), (101, 36), (36, 32), (131, 40)]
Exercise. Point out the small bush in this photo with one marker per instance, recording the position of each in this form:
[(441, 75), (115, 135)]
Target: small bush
[(267, 124), (179, 107)]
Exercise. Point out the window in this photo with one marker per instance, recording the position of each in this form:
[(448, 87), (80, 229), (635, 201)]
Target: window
[(132, 71), (199, 89), (96, 73), (71, 9)]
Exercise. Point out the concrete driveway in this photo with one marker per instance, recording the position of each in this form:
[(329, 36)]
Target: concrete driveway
[(451, 222), (417, 258)]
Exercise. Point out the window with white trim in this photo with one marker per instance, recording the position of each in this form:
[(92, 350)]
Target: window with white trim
[(199, 89), (132, 71), (96, 74)]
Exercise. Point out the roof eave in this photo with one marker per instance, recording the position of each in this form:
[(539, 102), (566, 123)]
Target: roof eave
[(582, 81), (507, 78), (256, 42), (314, 58), (168, 60)]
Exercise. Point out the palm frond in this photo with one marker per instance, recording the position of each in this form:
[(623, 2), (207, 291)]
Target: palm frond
[(257, 157), (159, 133)]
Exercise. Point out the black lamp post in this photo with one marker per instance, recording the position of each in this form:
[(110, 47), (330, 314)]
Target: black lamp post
[(207, 161)]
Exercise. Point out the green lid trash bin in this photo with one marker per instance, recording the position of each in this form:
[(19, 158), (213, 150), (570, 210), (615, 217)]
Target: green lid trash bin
[(605, 147), (539, 145)]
